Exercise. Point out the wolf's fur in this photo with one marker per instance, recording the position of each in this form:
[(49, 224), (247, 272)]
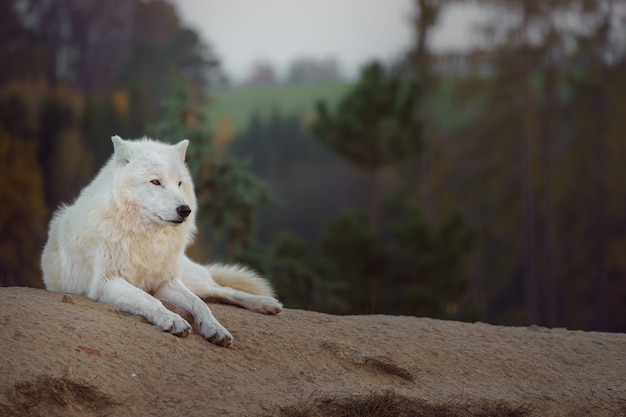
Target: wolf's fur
[(123, 242)]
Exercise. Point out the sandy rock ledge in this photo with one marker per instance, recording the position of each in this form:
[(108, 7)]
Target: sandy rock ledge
[(68, 355)]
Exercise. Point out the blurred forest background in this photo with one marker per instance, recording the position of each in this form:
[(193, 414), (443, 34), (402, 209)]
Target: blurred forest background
[(487, 184)]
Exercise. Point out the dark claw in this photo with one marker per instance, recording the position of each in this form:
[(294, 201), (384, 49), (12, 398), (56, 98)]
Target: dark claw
[(225, 342), (184, 333)]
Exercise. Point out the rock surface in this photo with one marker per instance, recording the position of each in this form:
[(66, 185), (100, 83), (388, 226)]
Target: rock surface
[(68, 355)]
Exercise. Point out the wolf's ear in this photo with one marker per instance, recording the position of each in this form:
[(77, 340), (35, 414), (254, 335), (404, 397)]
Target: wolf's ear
[(181, 148), (120, 149)]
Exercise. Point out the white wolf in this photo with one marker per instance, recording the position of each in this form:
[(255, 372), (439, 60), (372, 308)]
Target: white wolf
[(124, 239)]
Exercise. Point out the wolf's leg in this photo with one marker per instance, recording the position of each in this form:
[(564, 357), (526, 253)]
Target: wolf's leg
[(198, 280), (136, 301), (258, 303), (176, 293)]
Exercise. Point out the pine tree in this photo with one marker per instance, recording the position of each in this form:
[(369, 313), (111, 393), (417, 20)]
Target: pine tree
[(376, 125)]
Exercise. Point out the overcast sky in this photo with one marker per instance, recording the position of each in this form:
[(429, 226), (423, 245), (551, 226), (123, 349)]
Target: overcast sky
[(243, 32)]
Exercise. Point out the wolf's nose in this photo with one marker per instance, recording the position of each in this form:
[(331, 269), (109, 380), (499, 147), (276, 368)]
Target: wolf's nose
[(183, 211)]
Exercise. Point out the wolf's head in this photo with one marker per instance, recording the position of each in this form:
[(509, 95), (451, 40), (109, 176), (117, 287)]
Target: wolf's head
[(152, 181)]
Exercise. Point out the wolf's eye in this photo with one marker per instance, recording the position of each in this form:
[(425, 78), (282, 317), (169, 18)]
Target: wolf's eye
[(180, 183), (156, 182)]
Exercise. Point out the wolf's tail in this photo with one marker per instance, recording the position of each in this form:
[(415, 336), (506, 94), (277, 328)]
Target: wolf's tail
[(240, 278)]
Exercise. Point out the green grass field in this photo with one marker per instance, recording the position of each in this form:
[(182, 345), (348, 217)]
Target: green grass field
[(241, 105)]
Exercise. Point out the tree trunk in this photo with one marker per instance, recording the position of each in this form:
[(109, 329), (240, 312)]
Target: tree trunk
[(549, 139), (374, 226), (602, 291), (428, 11), (530, 279)]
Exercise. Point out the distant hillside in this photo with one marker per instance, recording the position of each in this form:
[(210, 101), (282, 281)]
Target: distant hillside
[(449, 108), (242, 104)]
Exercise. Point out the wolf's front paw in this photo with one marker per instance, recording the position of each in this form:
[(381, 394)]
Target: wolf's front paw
[(216, 334), (176, 325)]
